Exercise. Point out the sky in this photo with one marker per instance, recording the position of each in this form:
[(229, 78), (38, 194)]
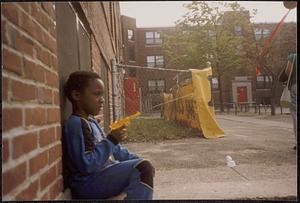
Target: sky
[(165, 13)]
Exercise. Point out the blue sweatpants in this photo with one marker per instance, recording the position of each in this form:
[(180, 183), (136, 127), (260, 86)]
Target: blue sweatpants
[(113, 180)]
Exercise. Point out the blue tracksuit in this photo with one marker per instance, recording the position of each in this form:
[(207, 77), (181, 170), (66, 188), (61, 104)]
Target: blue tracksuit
[(99, 168)]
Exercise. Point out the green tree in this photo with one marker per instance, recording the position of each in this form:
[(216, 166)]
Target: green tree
[(276, 58), (218, 32)]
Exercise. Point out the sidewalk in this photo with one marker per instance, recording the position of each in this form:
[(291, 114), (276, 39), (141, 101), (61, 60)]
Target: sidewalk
[(195, 168), (257, 121)]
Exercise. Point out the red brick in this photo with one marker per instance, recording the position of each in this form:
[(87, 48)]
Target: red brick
[(34, 71), (38, 162), (29, 193), (13, 177), (40, 16), (45, 95), (56, 188), (12, 62), (12, 118), (35, 116), (47, 136), (58, 133), (43, 56), (51, 79), (48, 177), (10, 11), (54, 62), (27, 24), (56, 97), (54, 153), (48, 7), (24, 144), (4, 31), (25, 6), (59, 168), (39, 37), (45, 196), (5, 88), (53, 115), (24, 44), (51, 45), (36, 10), (5, 150), (22, 91), (53, 31)]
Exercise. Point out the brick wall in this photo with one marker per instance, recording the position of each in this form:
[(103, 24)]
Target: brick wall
[(31, 167), (105, 22), (32, 151)]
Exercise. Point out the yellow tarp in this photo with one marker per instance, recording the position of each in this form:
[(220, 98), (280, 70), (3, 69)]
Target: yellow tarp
[(169, 113), (191, 105), (202, 95)]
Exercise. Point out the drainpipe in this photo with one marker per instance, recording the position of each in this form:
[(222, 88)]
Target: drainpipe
[(114, 88)]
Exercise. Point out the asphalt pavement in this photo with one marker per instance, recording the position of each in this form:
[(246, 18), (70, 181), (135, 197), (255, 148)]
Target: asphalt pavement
[(195, 168)]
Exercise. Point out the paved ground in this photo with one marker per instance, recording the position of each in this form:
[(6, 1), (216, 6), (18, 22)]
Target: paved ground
[(196, 168)]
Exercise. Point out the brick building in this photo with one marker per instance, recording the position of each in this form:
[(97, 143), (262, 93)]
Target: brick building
[(42, 43), (143, 47)]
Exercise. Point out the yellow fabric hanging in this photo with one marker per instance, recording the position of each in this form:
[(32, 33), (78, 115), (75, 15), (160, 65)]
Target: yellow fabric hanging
[(190, 106), (202, 96)]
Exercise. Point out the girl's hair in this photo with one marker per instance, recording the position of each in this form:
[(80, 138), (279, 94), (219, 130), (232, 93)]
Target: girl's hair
[(78, 81)]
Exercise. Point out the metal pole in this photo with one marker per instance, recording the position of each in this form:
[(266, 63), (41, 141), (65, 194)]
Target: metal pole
[(114, 88)]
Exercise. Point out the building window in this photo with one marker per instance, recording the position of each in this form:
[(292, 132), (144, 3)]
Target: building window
[(155, 61), (131, 53), (160, 85), (152, 85), (214, 83), (238, 30), (261, 33), (130, 35), (266, 32), (262, 82), (258, 33), (153, 38), (159, 61), (156, 85), (150, 61)]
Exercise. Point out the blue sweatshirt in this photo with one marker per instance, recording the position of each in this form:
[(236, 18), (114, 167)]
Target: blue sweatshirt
[(88, 149)]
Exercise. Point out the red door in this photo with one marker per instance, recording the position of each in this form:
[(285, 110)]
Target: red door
[(132, 95), (242, 94)]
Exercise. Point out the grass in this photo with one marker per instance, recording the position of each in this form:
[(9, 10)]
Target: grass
[(153, 130)]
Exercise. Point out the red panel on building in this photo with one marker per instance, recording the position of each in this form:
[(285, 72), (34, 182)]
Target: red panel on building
[(242, 94), (132, 95)]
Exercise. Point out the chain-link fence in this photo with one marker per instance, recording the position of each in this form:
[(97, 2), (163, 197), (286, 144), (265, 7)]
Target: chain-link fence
[(144, 87)]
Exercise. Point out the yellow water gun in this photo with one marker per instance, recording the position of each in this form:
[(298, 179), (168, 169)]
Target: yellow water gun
[(124, 121)]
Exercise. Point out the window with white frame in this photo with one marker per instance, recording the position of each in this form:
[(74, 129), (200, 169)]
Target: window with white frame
[(160, 85), (153, 38), (155, 61), (152, 85), (263, 81), (156, 85), (266, 32), (130, 34), (150, 61), (159, 61)]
